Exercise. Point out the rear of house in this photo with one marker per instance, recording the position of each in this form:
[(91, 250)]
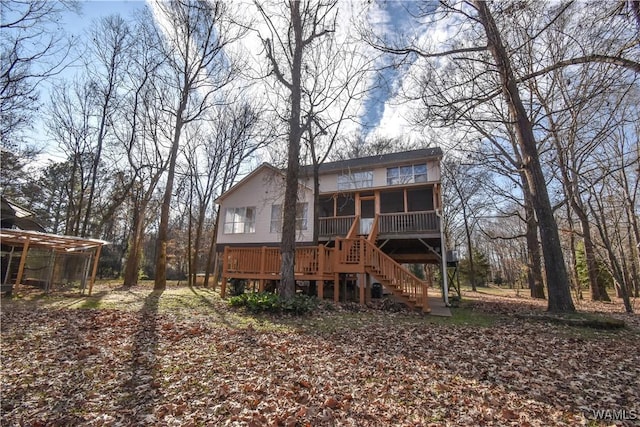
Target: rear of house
[(384, 206)]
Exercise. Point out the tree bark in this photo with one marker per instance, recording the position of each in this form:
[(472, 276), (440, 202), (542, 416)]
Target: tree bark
[(163, 229), (287, 284), (556, 273), (534, 259)]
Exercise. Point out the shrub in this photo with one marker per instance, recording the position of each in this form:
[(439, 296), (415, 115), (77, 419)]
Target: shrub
[(267, 302)]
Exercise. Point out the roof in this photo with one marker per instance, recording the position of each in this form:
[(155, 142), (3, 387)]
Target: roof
[(36, 239), (12, 214), (378, 160)]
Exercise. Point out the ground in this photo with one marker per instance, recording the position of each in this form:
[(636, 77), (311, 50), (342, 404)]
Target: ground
[(183, 357)]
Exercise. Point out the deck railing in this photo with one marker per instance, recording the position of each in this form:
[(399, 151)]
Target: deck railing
[(408, 222), (263, 262), (353, 255), (335, 226), (387, 223)]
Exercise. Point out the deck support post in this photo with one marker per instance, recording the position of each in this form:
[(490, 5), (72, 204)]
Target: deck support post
[(361, 286), (263, 261), (368, 285), (225, 271), (223, 287), (336, 287)]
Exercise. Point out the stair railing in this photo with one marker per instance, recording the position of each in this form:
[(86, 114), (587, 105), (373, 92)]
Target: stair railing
[(397, 277)]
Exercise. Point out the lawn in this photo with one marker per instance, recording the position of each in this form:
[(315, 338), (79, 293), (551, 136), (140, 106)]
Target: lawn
[(183, 357)]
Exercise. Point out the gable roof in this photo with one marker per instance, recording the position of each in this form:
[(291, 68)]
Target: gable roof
[(377, 160)]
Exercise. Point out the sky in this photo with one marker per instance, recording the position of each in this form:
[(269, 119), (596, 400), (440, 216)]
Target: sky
[(381, 112)]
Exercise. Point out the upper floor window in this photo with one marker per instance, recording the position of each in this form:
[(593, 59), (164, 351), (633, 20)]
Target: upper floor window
[(407, 174), (240, 220), (355, 180), (301, 217)]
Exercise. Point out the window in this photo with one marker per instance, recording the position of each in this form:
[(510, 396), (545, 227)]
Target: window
[(240, 220), (301, 217), (355, 180), (407, 174)]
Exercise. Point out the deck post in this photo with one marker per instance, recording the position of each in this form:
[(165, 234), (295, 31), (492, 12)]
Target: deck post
[(336, 287), (223, 287), (368, 284), (361, 285), (225, 271), (263, 261), (320, 272)]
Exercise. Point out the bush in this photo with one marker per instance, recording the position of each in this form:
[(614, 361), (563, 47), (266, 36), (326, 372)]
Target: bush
[(267, 302)]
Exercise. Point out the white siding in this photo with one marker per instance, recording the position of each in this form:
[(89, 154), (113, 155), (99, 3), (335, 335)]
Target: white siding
[(261, 191), (329, 182)]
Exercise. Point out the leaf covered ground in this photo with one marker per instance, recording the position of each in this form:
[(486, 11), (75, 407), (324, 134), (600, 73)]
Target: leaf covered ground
[(183, 358)]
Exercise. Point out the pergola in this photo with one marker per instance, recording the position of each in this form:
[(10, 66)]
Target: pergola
[(21, 241)]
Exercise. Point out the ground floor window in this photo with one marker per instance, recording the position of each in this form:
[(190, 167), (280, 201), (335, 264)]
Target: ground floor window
[(240, 220), (302, 210)]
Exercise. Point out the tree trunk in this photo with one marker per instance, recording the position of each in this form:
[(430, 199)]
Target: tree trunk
[(472, 272), (534, 260), (598, 290), (132, 267), (163, 228), (557, 278), (286, 288), (212, 251)]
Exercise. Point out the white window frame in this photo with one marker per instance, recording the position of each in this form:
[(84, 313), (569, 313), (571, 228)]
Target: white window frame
[(302, 217), (237, 220), (407, 174), (355, 180)]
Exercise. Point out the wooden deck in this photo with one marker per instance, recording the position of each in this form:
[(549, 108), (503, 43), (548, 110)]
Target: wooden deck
[(357, 256)]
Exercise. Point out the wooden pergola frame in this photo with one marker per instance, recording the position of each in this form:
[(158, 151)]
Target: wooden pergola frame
[(54, 242)]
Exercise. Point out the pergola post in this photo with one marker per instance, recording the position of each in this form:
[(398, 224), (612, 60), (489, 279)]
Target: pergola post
[(23, 259), (95, 269)]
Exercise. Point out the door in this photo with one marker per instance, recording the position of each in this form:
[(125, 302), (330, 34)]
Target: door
[(367, 214)]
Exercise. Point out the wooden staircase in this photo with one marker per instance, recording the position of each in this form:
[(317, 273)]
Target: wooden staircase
[(359, 255)]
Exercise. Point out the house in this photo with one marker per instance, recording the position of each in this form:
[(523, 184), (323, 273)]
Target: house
[(374, 214)]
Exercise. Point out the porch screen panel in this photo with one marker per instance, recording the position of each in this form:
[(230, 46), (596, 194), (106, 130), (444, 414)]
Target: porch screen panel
[(419, 199), (345, 206), (325, 207), (392, 201)]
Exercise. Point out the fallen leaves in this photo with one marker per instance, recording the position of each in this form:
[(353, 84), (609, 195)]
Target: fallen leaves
[(110, 367)]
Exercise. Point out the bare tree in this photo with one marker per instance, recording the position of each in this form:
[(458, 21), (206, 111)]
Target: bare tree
[(111, 43), (466, 183), (304, 26), (196, 35), (220, 148), (32, 49), (499, 47)]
